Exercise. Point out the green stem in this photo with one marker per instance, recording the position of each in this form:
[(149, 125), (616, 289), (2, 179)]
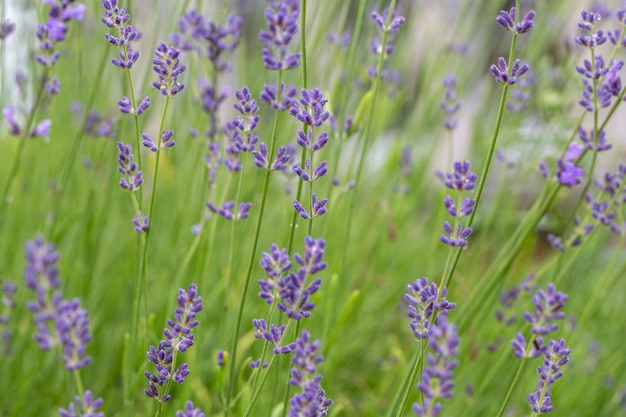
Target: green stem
[(516, 378), (402, 394)]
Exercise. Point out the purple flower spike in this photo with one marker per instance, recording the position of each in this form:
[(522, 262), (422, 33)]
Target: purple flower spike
[(179, 337), (539, 404), (548, 306), (436, 379), (167, 66), (282, 100), (273, 335), (9, 120), (85, 406), (461, 178), (141, 222), (423, 300), (506, 20), (310, 108), (282, 25), (556, 355), (455, 236), (568, 174), (381, 21), (133, 177), (189, 411), (226, 211), (311, 401), (519, 347), (72, 327), (42, 130), (6, 28), (501, 71)]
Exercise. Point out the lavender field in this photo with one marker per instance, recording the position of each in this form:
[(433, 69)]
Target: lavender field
[(312, 208)]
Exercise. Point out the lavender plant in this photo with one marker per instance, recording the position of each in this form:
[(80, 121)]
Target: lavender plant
[(255, 84)]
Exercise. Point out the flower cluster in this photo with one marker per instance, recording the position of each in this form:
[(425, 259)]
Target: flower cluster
[(507, 20), (424, 300), (556, 355), (198, 33), (460, 179), (7, 304), (59, 322), (42, 129), (591, 38), (282, 26), (383, 28), (85, 406), (178, 338), (6, 28), (510, 21), (437, 376), (289, 288), (166, 64), (548, 306), (311, 401), (132, 180), (450, 104), (189, 411), (601, 208), (240, 130), (55, 29), (117, 18), (226, 211), (310, 111)]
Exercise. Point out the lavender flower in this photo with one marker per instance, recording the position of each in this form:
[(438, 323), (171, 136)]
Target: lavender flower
[(540, 403), (7, 304), (592, 38), (501, 71), (196, 32), (166, 141), (178, 338), (9, 120), (522, 350), (506, 20), (290, 288), (272, 334), (392, 29), (239, 131), (167, 66), (423, 300), (42, 276), (311, 401), (72, 329), (6, 28), (189, 411), (555, 356), (54, 30), (279, 100), (133, 177), (125, 106), (282, 26), (449, 104), (437, 376), (85, 407), (275, 263), (226, 211), (141, 222), (548, 306), (460, 179), (59, 322), (116, 18)]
